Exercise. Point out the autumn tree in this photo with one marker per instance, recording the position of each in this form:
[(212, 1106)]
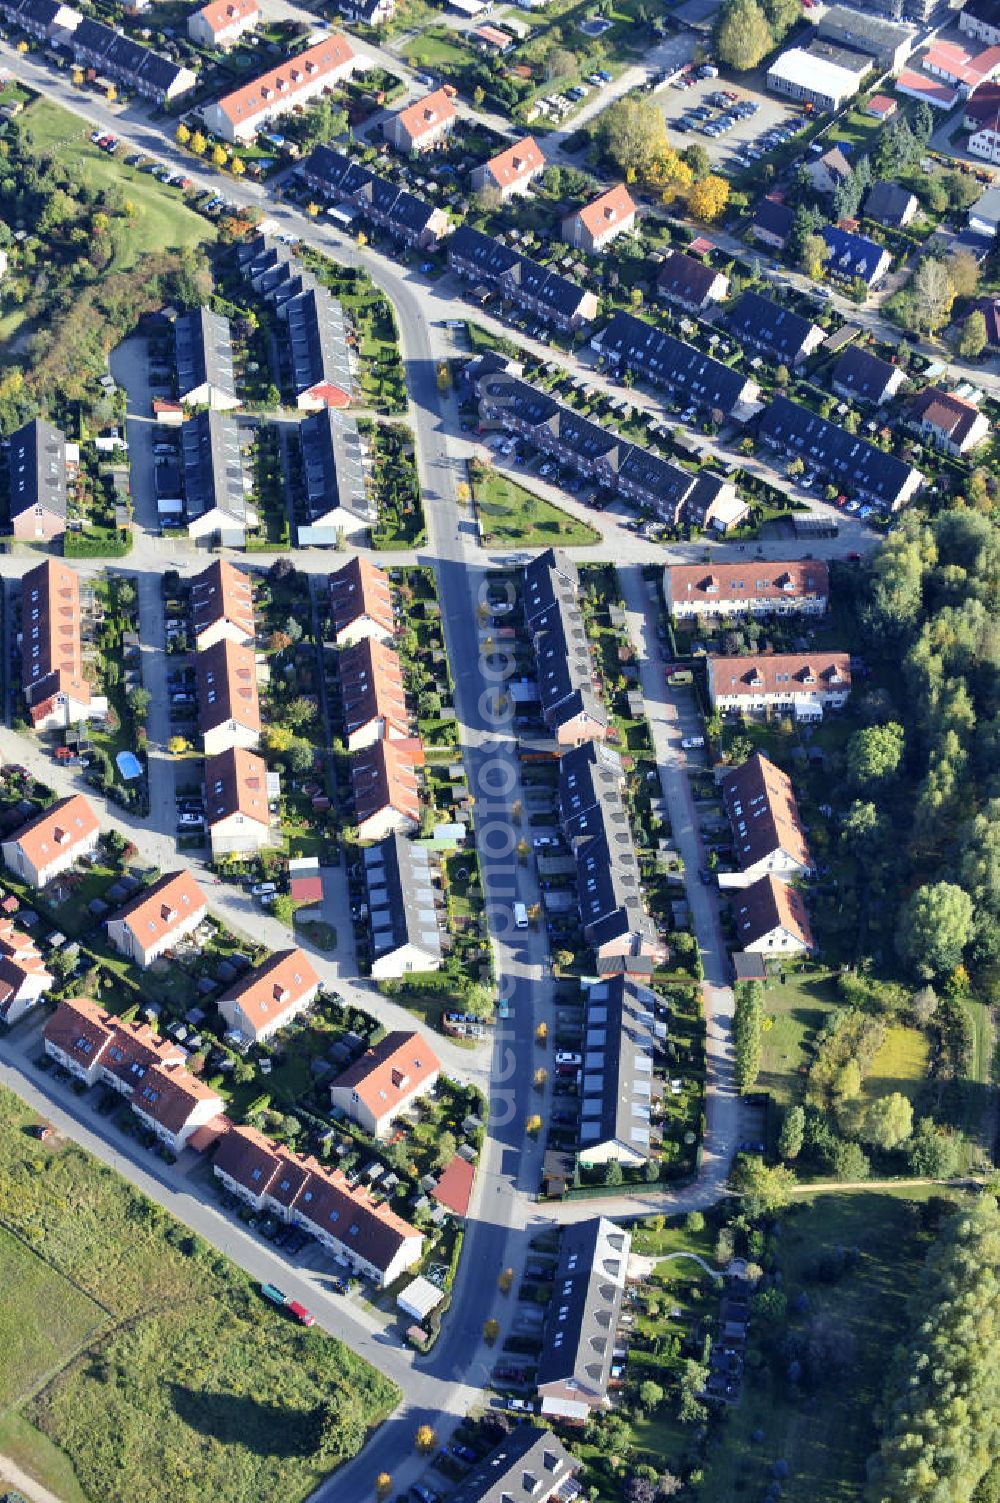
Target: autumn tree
[(219, 155), (182, 134), (708, 198), (425, 1439), (634, 134), (972, 336), (814, 255), (491, 1330), (933, 294)]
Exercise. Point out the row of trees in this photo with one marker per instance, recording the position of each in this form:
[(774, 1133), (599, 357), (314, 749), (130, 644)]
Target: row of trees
[(941, 1423), (632, 134), (748, 1033)]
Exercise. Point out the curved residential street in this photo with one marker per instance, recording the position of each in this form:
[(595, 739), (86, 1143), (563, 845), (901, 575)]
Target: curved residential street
[(440, 1387)]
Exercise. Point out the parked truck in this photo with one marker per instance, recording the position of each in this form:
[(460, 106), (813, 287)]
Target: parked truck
[(278, 1297)]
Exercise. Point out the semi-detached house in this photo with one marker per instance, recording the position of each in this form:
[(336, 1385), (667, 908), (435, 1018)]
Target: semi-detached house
[(51, 842), (52, 677), (862, 377), (228, 701), (949, 422), (768, 834), (271, 996), (765, 587), (423, 125), (596, 224), (385, 788), (222, 606), (238, 795), (373, 698), (221, 23), (359, 1231), (689, 283), (361, 603), (240, 115), (771, 918), (23, 977), (37, 468), (511, 171), (385, 1081), (159, 917), (131, 1059)]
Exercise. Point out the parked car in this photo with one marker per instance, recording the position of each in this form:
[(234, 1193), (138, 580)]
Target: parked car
[(41, 1130), (692, 743)]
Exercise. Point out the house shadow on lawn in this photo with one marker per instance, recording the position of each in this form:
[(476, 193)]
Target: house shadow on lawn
[(237, 1419)]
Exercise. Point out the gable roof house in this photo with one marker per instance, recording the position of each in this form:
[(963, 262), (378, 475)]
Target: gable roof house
[(402, 907), (373, 699), (888, 42), (222, 606), (134, 1061), (216, 488), (270, 996), (806, 684), (237, 802), (771, 918), (688, 282), (596, 224), (891, 205), (23, 977), (43, 19), (768, 835), (772, 222), (761, 588), (486, 261), (617, 1081), (949, 422), (37, 470), (222, 22), (530, 1465), (628, 343), (336, 497), (52, 678), (981, 19), (578, 1340), (316, 341), (571, 707), (361, 603), (160, 916), (385, 788), (858, 467), (348, 1220), (406, 216), (128, 63), (512, 170), (52, 841), (827, 172), (228, 702), (385, 1081), (786, 338), (203, 357), (861, 376), (854, 256), (240, 115), (423, 124)]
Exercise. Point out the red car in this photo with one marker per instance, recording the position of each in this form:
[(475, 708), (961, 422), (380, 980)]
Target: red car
[(300, 1312)]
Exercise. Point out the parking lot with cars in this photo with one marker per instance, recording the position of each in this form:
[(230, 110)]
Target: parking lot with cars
[(736, 125)]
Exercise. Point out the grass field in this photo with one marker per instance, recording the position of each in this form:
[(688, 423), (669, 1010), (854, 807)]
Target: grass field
[(196, 1389), (826, 1438), (799, 1009), (44, 1320), (900, 1064), (857, 129), (35, 1454), (162, 221), (513, 517)]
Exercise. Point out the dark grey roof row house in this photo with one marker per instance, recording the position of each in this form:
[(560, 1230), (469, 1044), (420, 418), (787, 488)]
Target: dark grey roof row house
[(403, 214), (402, 910), (578, 1340), (333, 479), (37, 469), (41, 18), (783, 336), (315, 327), (617, 1081), (530, 1465), (117, 57), (215, 489), (535, 288), (628, 343), (203, 357), (571, 707), (856, 466), (595, 452)]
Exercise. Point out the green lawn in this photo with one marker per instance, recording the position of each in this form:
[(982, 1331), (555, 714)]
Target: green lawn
[(900, 1064), (431, 50), (198, 1389), (826, 1437), (162, 222), (35, 1454), (857, 129), (513, 517), (799, 1010), (44, 1320)]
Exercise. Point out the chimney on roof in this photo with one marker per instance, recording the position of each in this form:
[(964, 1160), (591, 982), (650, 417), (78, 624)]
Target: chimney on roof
[(167, 914), (61, 836), (400, 1079), (281, 993)]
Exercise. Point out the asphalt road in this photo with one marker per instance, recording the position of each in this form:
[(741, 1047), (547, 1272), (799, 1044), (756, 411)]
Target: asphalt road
[(442, 1385)]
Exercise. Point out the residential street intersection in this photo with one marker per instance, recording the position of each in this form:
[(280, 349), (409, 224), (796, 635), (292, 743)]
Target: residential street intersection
[(441, 1387)]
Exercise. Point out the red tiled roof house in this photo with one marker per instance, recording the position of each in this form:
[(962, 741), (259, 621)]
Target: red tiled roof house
[(53, 841), (385, 1080)]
